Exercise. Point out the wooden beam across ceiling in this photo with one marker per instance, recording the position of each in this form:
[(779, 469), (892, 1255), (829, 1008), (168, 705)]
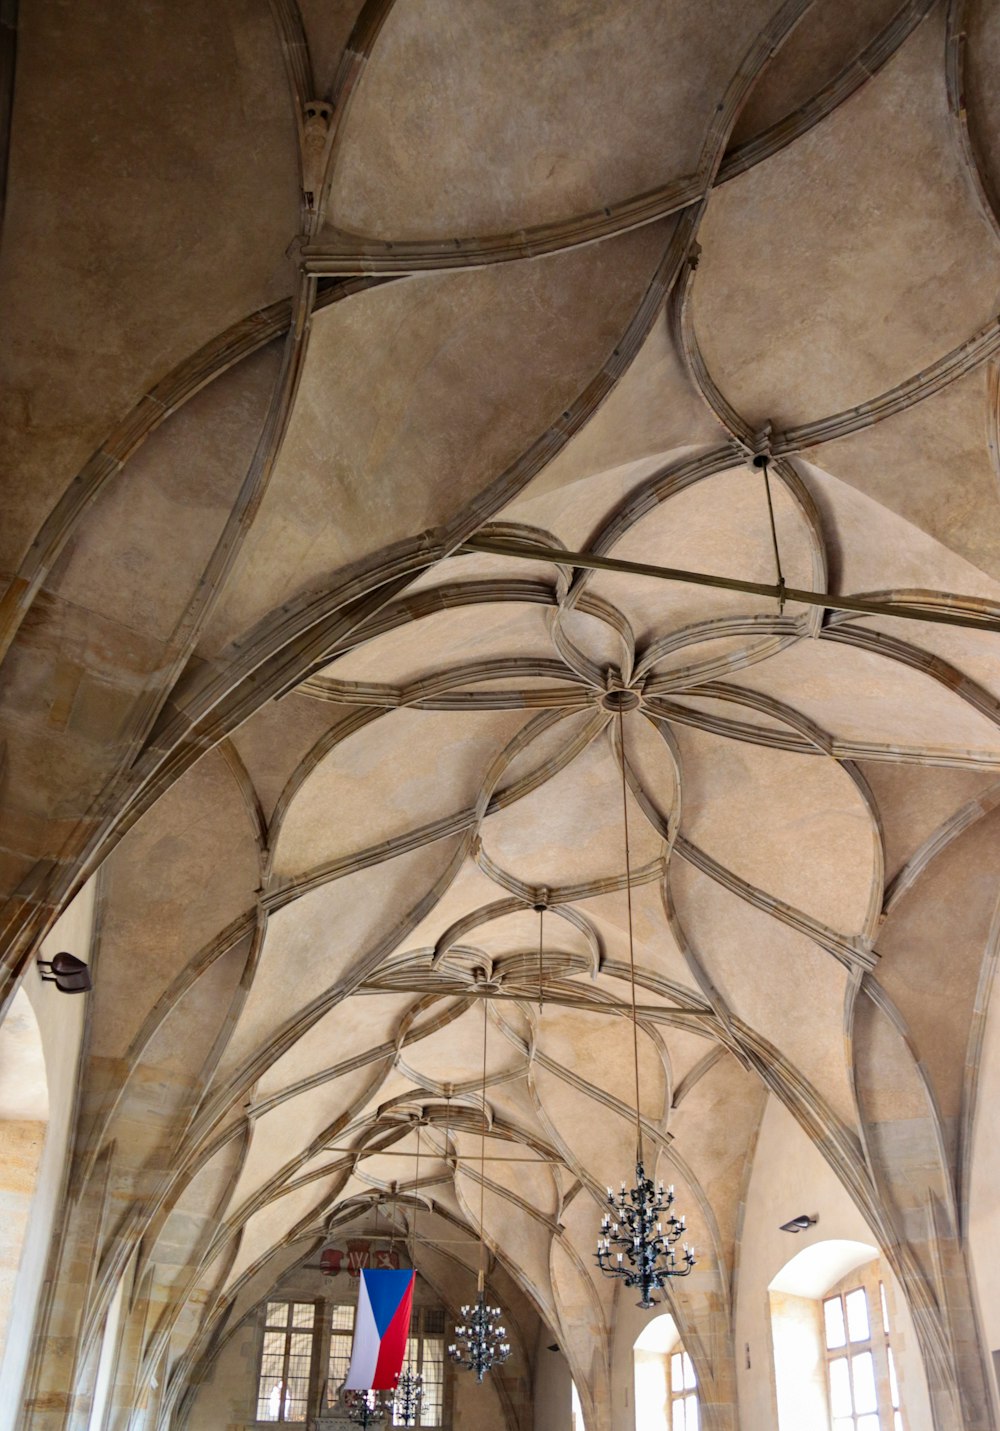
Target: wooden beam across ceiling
[(591, 561)]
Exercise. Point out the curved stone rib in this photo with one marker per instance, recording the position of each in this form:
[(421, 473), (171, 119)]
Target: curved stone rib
[(475, 591), (985, 993), (956, 824), (290, 645), (599, 606), (781, 632), (667, 711), (930, 380), (579, 663), (286, 891), (830, 97), (337, 252), (251, 799), (295, 53), (955, 50), (876, 893), (812, 741), (665, 826), (696, 1073), (568, 893), (250, 925), (895, 649), (357, 53), (293, 1028), (352, 722), (976, 350), (646, 497), (485, 914), (852, 953), (469, 819), (218, 356), (431, 692)]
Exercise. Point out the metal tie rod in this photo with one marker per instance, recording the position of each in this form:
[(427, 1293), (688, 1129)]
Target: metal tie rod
[(526, 551)]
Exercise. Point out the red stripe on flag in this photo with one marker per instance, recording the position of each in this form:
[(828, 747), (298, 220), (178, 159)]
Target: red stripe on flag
[(392, 1349)]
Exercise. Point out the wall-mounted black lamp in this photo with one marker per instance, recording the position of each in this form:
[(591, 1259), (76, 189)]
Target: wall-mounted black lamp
[(69, 974), (800, 1223)]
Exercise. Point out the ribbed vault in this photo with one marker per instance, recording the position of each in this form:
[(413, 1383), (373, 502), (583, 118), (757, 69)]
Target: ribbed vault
[(550, 275)]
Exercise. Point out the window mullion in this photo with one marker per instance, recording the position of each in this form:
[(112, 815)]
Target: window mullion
[(283, 1396)]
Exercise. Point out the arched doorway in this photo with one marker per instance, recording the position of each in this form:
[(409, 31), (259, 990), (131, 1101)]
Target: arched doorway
[(24, 1116)]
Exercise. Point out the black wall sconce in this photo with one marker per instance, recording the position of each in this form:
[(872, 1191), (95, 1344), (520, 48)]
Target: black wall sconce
[(799, 1224), (69, 974)]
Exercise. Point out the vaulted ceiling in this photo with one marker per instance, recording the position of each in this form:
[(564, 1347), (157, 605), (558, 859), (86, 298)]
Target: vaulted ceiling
[(301, 299)]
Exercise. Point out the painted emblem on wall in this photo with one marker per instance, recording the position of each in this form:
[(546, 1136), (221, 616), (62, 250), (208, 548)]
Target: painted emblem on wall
[(358, 1256)]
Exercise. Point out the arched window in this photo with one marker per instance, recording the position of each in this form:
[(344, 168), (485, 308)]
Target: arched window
[(666, 1388), (861, 1370), (24, 1114), (831, 1334)]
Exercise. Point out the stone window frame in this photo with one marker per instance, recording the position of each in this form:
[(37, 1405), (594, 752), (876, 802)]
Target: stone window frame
[(889, 1414), (682, 1391), (289, 1330)]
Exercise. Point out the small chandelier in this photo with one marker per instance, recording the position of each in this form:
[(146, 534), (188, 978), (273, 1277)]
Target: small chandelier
[(633, 1244), (481, 1340), (406, 1406), (367, 1408), (633, 1230)]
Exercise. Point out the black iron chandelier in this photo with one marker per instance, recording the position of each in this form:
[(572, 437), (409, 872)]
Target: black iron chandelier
[(409, 1392), (633, 1229), (635, 1244), (367, 1408), (481, 1341)]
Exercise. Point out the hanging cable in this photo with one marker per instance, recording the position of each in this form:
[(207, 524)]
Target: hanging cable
[(761, 461), (416, 1213), (631, 940), (482, 1170), (541, 995)]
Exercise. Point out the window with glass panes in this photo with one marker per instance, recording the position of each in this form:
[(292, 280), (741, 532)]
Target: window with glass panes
[(285, 1360), (683, 1393), (864, 1390), (339, 1359), (425, 1355)]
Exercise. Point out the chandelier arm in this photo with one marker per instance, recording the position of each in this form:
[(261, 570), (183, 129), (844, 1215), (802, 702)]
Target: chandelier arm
[(774, 533)]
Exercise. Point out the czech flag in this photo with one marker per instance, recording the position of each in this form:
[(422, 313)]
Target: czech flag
[(381, 1327)]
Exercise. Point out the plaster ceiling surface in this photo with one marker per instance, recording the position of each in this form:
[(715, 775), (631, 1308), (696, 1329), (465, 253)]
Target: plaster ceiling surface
[(329, 764)]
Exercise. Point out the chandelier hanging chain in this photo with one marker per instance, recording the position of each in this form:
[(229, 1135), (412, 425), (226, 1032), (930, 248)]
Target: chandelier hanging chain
[(639, 1230), (480, 1341), (631, 940), (416, 1182), (409, 1391), (482, 1168), (763, 463), (541, 994)]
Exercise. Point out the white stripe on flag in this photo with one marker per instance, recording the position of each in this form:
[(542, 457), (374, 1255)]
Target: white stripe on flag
[(364, 1352)]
